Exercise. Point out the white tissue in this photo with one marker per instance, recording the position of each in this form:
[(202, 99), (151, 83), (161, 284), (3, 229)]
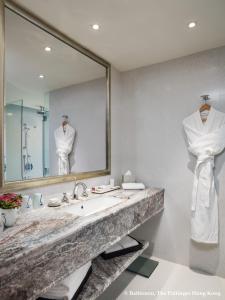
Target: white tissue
[(128, 177), (128, 172)]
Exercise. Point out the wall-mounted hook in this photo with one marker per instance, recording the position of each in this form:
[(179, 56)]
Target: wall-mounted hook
[(205, 97)]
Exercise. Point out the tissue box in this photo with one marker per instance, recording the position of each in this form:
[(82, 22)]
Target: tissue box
[(128, 177)]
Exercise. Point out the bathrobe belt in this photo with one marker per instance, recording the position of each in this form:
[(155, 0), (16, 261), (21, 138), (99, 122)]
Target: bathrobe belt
[(204, 174), (62, 155), (63, 162)]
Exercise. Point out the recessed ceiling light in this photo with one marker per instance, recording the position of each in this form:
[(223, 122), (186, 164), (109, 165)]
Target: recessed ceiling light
[(41, 76), (9, 114), (95, 26), (48, 49), (192, 24)]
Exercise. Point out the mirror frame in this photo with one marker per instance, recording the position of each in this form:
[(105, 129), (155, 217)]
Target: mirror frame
[(32, 183)]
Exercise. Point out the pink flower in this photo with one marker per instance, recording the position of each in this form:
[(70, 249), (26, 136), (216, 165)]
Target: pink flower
[(10, 200)]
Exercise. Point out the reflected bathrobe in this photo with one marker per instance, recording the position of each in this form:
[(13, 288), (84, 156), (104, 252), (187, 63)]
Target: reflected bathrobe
[(205, 141), (64, 138)]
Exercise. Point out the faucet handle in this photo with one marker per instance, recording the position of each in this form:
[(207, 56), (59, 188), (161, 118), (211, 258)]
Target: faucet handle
[(85, 193), (65, 198)]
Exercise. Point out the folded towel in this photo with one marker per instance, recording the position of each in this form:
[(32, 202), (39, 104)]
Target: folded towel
[(125, 242), (133, 186), (66, 289)]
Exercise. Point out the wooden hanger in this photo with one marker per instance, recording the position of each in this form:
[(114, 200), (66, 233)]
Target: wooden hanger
[(64, 123), (205, 106)]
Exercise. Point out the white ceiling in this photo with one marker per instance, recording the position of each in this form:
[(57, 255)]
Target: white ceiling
[(26, 59), (136, 33)]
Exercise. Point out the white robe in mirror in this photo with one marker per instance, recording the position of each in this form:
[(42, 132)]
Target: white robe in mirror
[(64, 139), (205, 140)]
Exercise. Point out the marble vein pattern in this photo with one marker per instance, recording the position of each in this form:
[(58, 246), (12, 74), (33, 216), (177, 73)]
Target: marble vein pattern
[(104, 272), (47, 245)]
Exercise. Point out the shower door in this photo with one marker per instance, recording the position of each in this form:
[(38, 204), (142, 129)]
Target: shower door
[(13, 116), (26, 158)]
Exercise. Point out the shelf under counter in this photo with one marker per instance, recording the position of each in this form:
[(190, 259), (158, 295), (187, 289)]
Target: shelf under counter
[(104, 272)]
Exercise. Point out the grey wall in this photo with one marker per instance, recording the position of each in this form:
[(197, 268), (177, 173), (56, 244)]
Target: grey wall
[(155, 101), (85, 104)]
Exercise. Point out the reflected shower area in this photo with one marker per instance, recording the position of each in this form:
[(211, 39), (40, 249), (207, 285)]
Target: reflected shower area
[(27, 153)]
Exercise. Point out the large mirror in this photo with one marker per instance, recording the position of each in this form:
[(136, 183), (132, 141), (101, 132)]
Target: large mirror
[(56, 105)]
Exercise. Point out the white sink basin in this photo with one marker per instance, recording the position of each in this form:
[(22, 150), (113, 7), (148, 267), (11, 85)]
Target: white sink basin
[(88, 207)]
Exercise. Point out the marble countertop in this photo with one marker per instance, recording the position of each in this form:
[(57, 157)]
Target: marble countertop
[(48, 244)]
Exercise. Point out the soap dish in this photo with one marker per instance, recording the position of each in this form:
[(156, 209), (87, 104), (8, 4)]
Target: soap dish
[(54, 202)]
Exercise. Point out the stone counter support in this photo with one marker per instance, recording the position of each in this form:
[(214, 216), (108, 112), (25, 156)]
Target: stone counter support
[(36, 270)]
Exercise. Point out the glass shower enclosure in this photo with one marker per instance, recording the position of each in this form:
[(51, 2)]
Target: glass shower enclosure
[(26, 141)]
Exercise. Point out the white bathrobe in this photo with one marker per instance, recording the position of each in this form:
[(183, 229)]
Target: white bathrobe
[(64, 143), (205, 140)]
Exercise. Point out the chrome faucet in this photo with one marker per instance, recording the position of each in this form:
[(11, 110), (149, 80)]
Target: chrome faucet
[(65, 198), (76, 188)]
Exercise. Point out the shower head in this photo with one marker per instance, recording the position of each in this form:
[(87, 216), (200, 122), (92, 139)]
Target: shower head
[(41, 111)]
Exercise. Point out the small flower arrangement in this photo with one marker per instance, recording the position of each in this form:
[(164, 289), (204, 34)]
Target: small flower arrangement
[(10, 200)]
